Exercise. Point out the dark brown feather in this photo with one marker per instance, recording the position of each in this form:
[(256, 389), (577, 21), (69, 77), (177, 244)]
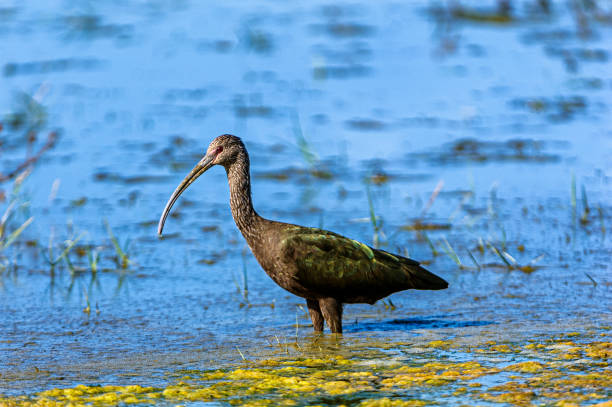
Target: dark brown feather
[(328, 264)]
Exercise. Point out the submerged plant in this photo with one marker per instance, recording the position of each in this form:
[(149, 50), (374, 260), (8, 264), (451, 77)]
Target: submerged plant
[(586, 209), (6, 241), (473, 259), (376, 223), (8, 238), (29, 114), (432, 247), (68, 245), (316, 168), (511, 263), (584, 218), (451, 253), (93, 256), (123, 260)]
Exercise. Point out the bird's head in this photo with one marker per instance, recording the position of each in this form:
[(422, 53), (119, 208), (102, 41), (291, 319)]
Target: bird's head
[(223, 150)]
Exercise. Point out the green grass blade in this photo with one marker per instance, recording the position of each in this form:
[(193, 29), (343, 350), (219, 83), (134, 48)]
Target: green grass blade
[(68, 248), (5, 217), (509, 257), (241, 355), (591, 278), (434, 252), (451, 252), (371, 207), (501, 256), (93, 256), (584, 218), (307, 154), (15, 234), (473, 259), (122, 255), (373, 220)]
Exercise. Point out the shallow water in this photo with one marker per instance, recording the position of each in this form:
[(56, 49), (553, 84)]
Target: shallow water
[(503, 120)]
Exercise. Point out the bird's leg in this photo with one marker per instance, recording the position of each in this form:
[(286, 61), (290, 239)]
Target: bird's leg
[(315, 315), (332, 312)]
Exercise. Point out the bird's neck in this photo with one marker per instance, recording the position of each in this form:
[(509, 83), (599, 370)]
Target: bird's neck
[(240, 197)]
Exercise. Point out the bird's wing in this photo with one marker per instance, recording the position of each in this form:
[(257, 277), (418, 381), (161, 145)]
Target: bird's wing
[(329, 263)]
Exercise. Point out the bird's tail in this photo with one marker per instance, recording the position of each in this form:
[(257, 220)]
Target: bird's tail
[(425, 280)]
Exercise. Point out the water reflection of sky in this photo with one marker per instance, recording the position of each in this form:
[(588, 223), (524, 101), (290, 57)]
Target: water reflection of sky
[(138, 90)]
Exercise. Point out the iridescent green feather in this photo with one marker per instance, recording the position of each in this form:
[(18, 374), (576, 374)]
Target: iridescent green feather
[(328, 262)]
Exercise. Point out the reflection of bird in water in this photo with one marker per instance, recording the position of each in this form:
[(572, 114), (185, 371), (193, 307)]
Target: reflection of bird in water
[(323, 267)]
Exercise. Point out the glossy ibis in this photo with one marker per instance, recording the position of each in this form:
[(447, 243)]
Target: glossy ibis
[(323, 267)]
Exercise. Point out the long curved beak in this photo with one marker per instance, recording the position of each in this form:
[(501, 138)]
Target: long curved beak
[(204, 164)]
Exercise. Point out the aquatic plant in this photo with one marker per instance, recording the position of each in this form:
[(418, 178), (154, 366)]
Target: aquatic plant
[(316, 167), (123, 261), (244, 289), (28, 118), (68, 245), (448, 249), (6, 239), (568, 368), (375, 221)]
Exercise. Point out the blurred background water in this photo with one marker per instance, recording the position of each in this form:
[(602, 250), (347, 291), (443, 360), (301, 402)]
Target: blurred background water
[(476, 134)]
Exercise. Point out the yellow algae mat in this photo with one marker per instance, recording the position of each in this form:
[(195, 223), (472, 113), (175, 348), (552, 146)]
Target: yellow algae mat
[(557, 370)]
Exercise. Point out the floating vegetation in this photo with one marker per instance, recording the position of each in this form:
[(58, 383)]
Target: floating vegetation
[(573, 57), (292, 173), (137, 179), (91, 26), (456, 11), (213, 258), (422, 225), (366, 124), (343, 30), (470, 150), (254, 111), (78, 202), (181, 94), (502, 15), (380, 177), (257, 40), (558, 370), (562, 108), (52, 65), (328, 71)]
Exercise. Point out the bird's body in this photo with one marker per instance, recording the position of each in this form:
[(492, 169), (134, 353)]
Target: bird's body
[(323, 267)]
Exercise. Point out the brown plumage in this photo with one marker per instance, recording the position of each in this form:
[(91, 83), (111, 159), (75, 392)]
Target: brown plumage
[(323, 267)]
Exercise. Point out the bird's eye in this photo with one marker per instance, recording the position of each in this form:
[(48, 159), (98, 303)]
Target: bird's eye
[(218, 150)]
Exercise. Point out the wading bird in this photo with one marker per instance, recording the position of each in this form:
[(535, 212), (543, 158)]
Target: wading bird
[(323, 267)]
